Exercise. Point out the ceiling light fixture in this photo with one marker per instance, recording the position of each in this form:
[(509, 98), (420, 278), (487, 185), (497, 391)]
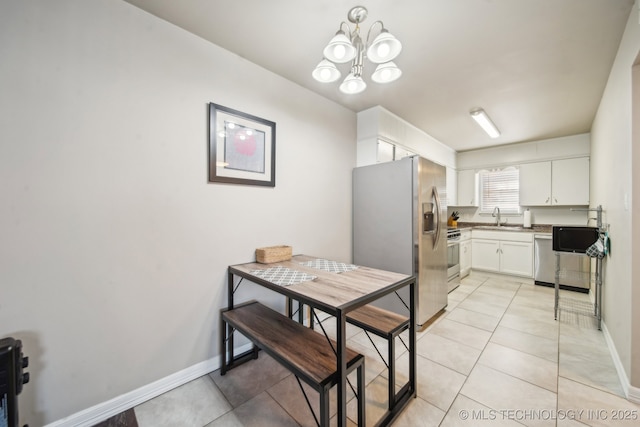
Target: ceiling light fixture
[(345, 47), (479, 115)]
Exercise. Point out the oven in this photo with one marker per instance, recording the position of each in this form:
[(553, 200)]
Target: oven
[(453, 258)]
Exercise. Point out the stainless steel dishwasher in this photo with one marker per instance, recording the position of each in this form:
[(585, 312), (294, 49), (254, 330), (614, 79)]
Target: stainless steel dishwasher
[(575, 269)]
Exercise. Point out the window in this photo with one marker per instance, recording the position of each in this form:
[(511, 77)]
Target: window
[(500, 188)]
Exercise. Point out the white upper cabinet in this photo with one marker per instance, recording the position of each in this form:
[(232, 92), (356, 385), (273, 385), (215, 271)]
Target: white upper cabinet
[(467, 188), (385, 153), (570, 181), (401, 153), (452, 187), (377, 124), (535, 184), (555, 183)]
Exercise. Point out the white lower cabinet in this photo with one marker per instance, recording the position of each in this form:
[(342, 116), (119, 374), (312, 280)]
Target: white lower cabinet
[(503, 252), (465, 253), (516, 258), (486, 255)]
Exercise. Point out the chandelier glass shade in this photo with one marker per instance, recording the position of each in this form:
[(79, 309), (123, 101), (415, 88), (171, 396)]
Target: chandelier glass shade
[(326, 72), (352, 84), (386, 73), (384, 48), (348, 46), (340, 49)]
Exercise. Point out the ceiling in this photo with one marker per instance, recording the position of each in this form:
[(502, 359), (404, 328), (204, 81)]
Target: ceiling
[(537, 67)]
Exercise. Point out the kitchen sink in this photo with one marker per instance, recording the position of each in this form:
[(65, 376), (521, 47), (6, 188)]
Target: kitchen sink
[(500, 227)]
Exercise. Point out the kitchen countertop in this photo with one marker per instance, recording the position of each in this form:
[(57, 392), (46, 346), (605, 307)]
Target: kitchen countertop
[(518, 228)]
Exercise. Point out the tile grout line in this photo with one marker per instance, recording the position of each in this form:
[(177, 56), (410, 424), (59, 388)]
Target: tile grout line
[(476, 362), (558, 361), (512, 376), (505, 373)]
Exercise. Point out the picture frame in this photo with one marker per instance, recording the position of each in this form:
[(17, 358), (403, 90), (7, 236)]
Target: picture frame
[(242, 147)]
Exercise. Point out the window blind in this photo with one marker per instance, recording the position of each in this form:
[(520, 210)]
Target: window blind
[(500, 188)]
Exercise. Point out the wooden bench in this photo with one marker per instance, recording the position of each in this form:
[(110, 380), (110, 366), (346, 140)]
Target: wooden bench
[(307, 354), (388, 325), (385, 324)]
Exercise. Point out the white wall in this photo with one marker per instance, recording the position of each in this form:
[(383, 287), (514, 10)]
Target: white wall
[(634, 202), (612, 160), (114, 247), (527, 152)]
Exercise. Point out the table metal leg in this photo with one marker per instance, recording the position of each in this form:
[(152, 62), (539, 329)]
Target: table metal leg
[(391, 366), (342, 370), (229, 335), (598, 301), (223, 346), (412, 339), (557, 287), (361, 401)]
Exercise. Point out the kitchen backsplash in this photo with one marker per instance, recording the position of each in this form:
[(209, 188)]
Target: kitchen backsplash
[(542, 215)]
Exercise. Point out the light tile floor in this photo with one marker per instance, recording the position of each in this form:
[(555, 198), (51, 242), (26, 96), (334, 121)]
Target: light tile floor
[(495, 357)]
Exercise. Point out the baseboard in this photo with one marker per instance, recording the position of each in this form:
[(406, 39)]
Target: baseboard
[(102, 411), (632, 393)]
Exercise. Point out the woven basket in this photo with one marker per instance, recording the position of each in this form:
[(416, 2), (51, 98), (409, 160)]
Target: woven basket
[(272, 254)]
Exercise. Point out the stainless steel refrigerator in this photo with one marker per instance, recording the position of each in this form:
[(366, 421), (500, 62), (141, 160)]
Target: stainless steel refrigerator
[(400, 225)]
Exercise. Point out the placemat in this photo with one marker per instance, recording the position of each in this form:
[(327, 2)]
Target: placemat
[(330, 266), (283, 276)]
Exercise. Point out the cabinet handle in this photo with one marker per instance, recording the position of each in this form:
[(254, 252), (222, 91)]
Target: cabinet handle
[(547, 201), (555, 200)]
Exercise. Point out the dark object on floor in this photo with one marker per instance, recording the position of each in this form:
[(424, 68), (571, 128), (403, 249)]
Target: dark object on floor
[(124, 419), (12, 377)]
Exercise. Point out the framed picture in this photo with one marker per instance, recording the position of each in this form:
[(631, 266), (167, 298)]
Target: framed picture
[(242, 148)]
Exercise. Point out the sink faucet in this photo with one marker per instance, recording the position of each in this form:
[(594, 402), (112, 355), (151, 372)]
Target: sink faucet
[(496, 215)]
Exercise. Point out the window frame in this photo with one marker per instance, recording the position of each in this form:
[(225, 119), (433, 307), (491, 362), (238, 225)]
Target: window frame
[(500, 185)]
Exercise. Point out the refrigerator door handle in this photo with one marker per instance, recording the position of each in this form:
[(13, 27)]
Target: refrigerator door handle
[(436, 238)]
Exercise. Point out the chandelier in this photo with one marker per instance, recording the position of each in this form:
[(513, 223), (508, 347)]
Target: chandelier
[(345, 47)]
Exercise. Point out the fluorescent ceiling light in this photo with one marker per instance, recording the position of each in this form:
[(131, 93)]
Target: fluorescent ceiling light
[(485, 122)]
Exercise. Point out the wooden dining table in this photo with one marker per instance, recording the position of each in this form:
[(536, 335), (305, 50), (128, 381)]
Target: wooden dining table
[(335, 292)]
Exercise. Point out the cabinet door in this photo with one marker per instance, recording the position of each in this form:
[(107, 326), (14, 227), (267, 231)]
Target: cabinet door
[(516, 258), (486, 254), (452, 187), (386, 152), (535, 184), (570, 181), (467, 188), (401, 153), (465, 257)]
